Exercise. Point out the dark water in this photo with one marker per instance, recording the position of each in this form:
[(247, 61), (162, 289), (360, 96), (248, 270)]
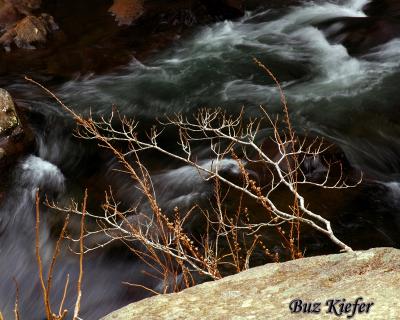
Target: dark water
[(351, 100)]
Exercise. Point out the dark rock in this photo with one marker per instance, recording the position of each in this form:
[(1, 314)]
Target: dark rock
[(360, 34), (389, 8), (226, 9), (9, 15), (25, 7), (12, 10)]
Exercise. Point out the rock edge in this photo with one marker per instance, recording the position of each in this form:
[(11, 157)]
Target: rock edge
[(265, 292)]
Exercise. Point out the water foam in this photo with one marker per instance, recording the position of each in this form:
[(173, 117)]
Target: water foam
[(38, 173)]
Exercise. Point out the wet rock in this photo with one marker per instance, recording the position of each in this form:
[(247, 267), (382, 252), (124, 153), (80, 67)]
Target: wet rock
[(29, 32), (20, 27), (8, 115), (25, 6), (235, 4), (266, 292), (13, 10), (226, 9), (9, 15), (126, 11), (382, 8), (360, 34), (15, 137)]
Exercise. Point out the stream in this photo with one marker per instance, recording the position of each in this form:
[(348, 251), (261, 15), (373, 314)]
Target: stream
[(351, 100)]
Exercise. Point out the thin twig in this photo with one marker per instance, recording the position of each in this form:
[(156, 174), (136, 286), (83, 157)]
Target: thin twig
[(81, 252), (16, 305), (39, 259)]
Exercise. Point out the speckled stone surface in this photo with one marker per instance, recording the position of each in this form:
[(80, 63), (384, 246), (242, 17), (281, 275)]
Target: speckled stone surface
[(265, 292), (8, 115)]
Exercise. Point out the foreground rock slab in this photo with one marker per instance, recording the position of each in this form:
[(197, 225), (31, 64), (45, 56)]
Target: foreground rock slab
[(266, 292)]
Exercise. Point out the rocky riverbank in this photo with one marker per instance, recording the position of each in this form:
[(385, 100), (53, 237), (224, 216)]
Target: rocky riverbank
[(369, 281), (71, 37)]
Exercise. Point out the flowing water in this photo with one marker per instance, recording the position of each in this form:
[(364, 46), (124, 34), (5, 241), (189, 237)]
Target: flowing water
[(351, 100)]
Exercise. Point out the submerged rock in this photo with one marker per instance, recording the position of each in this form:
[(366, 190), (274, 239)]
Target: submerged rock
[(367, 277)]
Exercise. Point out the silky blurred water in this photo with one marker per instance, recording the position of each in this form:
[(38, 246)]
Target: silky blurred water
[(350, 100)]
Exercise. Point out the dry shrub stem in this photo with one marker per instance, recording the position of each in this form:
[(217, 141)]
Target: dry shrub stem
[(230, 239), (47, 285), (16, 305), (81, 252)]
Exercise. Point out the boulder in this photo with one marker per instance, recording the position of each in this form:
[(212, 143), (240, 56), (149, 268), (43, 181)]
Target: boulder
[(225, 9), (13, 10), (25, 6), (15, 137), (29, 32), (389, 8), (126, 11), (19, 26), (360, 34), (9, 15), (364, 278), (8, 115)]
